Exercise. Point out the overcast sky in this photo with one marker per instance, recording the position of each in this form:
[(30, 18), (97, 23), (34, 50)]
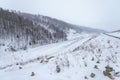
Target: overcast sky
[(101, 14)]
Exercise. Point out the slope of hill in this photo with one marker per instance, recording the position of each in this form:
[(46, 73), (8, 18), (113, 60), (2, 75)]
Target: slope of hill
[(18, 32), (115, 34), (23, 30), (94, 57), (46, 21)]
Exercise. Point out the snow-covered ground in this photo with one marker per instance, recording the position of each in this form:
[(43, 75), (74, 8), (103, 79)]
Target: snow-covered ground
[(117, 34), (76, 59)]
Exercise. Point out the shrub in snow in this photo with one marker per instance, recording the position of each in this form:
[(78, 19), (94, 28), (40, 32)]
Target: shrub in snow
[(38, 58), (86, 77), (92, 59), (13, 49), (17, 63), (96, 67), (108, 71), (98, 62), (20, 67), (58, 69), (32, 74), (117, 74), (85, 64), (92, 75)]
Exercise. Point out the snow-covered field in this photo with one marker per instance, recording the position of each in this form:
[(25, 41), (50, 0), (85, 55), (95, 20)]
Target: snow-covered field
[(76, 59), (116, 34)]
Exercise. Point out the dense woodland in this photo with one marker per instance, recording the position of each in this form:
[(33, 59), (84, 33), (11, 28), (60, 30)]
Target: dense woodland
[(21, 32)]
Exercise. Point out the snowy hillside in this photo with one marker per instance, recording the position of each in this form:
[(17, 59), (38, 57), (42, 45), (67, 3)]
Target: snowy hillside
[(47, 21), (115, 34), (90, 57), (20, 31)]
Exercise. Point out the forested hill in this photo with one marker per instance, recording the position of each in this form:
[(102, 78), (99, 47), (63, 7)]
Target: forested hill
[(19, 32), (22, 30)]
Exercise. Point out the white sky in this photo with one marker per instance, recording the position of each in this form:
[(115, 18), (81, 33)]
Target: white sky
[(101, 14)]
